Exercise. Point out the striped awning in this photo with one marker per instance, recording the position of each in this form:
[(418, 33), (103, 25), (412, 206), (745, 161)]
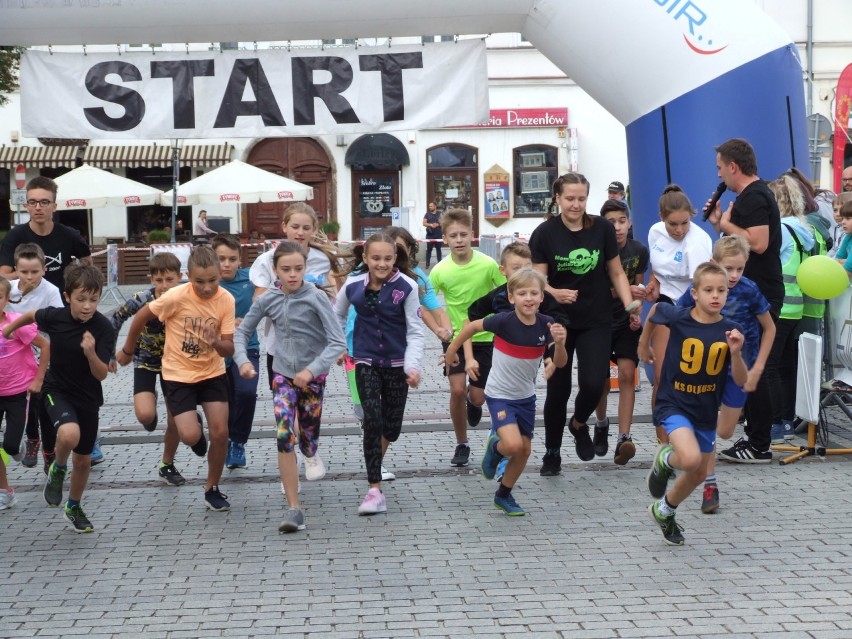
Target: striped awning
[(201, 155), (38, 156)]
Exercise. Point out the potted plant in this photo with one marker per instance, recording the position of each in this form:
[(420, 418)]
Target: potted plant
[(331, 229), (159, 236)]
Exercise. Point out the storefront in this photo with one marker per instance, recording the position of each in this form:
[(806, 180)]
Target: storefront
[(375, 163)]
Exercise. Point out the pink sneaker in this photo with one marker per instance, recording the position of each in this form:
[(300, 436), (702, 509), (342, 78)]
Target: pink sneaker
[(374, 502)]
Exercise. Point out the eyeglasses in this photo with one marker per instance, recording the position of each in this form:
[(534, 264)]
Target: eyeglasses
[(42, 203)]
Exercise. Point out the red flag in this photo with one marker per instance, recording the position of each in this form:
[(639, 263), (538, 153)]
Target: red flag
[(841, 123)]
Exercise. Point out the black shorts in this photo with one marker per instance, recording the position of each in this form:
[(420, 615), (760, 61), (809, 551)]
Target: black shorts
[(482, 352), (145, 381), (63, 410), (625, 344), (183, 397)]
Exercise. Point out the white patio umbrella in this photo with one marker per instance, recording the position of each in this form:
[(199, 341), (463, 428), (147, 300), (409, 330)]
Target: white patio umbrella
[(87, 187), (241, 183)]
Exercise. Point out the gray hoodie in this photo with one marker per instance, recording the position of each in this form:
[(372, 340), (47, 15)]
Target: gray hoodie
[(307, 333)]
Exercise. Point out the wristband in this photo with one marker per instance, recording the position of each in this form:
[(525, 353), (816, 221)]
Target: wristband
[(125, 352)]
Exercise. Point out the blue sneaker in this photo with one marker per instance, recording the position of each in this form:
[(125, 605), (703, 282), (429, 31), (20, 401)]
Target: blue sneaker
[(236, 455), (509, 506), (781, 433), (501, 468), (97, 453), (491, 457)]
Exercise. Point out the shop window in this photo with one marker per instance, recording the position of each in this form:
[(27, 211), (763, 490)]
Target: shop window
[(148, 218), (451, 156), (534, 169)]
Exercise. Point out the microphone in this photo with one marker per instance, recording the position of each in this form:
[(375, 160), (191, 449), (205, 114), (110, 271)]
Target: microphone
[(714, 200)]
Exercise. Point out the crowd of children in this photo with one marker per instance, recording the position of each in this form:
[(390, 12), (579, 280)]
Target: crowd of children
[(577, 287)]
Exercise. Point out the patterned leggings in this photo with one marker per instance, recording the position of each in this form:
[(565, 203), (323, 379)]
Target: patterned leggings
[(383, 394), (290, 402)]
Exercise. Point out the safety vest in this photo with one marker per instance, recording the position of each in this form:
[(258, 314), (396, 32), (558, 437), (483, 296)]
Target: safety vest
[(813, 307), (793, 305)]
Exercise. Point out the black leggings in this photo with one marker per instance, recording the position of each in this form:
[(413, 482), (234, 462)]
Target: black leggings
[(14, 407), (39, 420), (383, 393), (592, 346)]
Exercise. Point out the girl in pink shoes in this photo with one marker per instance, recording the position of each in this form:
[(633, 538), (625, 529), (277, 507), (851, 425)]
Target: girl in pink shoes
[(387, 346)]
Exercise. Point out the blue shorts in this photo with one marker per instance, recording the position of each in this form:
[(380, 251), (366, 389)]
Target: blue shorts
[(733, 394), (706, 438), (512, 411)]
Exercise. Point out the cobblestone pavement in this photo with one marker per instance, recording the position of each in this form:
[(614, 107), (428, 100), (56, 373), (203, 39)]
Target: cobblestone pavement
[(586, 561)]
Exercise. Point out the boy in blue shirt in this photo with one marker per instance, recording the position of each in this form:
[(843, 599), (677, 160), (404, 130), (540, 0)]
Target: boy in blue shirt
[(701, 345), (242, 391)]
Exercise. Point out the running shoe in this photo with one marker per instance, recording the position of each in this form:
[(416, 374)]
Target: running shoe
[(672, 531), (77, 519), (374, 503), (509, 506), (170, 475), (53, 486)]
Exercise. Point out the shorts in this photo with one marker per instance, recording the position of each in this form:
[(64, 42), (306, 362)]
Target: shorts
[(706, 438), (62, 410), (183, 397), (512, 411), (625, 344), (733, 394), (145, 381), (482, 352)]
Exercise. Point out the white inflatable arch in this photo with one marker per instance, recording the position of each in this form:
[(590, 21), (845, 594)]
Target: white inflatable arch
[(681, 75)]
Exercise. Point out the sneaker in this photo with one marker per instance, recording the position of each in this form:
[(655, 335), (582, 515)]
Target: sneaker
[(491, 457), (551, 465), (236, 455), (8, 498), (49, 458), (387, 475), (501, 468), (601, 435), (509, 506), (461, 456), (53, 486), (170, 475), (19, 456), (30, 453), (97, 453), (214, 500), (660, 473), (781, 433), (374, 502), (671, 529), (294, 519), (314, 468), (583, 445), (743, 453), (711, 500), (474, 414), (77, 519), (625, 449)]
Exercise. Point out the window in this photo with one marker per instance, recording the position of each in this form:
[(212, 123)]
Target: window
[(535, 168)]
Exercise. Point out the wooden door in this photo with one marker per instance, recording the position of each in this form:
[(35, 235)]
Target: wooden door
[(454, 188)]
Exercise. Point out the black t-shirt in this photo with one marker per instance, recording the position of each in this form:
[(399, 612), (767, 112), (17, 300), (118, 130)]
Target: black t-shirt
[(69, 371), (634, 260), (577, 260), (433, 218), (756, 206), (60, 245)]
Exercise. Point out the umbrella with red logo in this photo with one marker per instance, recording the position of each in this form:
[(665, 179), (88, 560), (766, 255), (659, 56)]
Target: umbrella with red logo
[(241, 183), (87, 187)]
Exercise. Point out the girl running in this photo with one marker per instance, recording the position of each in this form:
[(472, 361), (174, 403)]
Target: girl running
[(387, 346)]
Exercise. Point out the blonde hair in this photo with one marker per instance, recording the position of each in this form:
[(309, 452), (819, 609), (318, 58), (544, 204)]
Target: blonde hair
[(456, 216), (788, 194), (519, 249), (729, 246), (706, 269), (841, 199), (525, 277), (318, 240)]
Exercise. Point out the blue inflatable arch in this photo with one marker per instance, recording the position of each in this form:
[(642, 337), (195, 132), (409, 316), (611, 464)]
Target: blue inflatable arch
[(681, 75)]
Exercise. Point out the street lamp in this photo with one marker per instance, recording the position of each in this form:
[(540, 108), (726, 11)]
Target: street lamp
[(176, 143)]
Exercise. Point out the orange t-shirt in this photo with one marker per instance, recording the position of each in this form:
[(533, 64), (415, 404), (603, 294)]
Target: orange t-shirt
[(187, 356)]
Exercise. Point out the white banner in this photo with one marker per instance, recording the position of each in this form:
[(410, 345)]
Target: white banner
[(254, 94)]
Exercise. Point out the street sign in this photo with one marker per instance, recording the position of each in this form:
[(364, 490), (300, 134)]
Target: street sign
[(19, 197), (20, 176)]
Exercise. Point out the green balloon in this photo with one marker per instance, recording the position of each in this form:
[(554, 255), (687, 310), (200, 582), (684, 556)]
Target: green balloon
[(822, 278)]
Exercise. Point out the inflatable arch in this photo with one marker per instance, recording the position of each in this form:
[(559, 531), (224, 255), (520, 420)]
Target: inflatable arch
[(681, 75)]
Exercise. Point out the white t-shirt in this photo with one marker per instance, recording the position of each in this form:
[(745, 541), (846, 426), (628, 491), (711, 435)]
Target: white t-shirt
[(262, 275), (674, 261), (42, 296)]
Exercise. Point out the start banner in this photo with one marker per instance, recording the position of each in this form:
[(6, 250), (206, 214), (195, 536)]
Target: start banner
[(261, 93)]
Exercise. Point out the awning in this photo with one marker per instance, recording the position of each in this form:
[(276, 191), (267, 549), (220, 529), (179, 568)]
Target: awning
[(201, 155), (377, 150), (38, 156)]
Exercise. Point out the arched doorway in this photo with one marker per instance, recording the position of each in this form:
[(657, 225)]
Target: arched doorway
[(300, 159), (452, 179)]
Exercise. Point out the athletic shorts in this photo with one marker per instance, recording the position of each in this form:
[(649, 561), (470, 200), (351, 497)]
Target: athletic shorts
[(733, 395), (63, 410), (145, 381), (706, 438), (183, 397), (482, 352), (512, 411), (625, 344)]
